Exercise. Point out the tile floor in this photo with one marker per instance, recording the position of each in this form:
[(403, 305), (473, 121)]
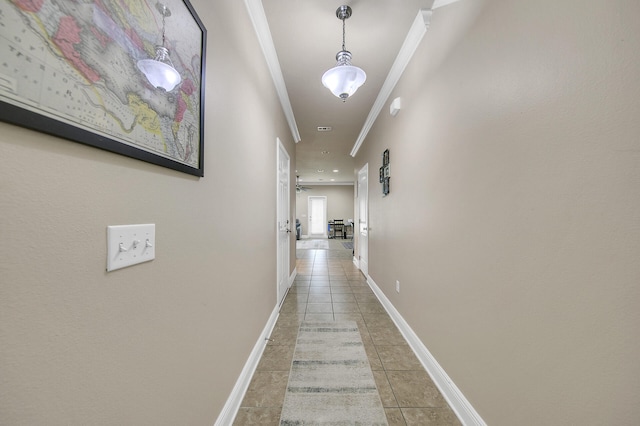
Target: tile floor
[(329, 287)]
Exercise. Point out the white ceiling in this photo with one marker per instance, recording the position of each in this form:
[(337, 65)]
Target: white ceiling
[(307, 35)]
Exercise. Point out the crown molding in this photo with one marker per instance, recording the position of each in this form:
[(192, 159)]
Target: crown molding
[(414, 37), (261, 26), (440, 3)]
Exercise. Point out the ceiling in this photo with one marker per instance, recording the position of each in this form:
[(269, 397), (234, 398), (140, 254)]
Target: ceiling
[(307, 35)]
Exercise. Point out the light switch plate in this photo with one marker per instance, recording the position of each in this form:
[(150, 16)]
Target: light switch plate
[(130, 244)]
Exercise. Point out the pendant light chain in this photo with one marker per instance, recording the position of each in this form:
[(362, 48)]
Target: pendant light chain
[(164, 14), (160, 71), (343, 33)]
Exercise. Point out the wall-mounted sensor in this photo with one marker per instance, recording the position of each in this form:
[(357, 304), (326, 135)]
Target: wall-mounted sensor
[(395, 107)]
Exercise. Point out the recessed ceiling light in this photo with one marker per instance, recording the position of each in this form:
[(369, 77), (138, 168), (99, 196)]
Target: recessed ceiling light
[(335, 170), (324, 128), (333, 180), (320, 170)]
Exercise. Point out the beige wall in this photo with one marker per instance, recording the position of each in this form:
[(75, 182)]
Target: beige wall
[(161, 343), (513, 222), (339, 203)]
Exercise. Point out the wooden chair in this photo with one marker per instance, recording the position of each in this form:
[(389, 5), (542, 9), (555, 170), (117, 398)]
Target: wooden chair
[(338, 228), (348, 228)]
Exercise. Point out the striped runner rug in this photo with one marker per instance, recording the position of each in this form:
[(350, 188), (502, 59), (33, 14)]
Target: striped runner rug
[(312, 244), (331, 382)]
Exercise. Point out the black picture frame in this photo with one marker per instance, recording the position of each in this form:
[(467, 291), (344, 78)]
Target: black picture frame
[(385, 173), (49, 82)]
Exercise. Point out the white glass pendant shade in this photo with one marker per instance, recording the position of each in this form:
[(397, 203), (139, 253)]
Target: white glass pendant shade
[(160, 71), (344, 80)]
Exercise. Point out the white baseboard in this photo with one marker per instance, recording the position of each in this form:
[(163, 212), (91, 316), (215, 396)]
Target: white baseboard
[(231, 407), (458, 403), (293, 276)]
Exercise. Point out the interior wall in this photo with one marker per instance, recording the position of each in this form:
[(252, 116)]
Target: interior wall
[(339, 203), (513, 222), (163, 342)]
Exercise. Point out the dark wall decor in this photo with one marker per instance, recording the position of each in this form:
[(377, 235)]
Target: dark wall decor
[(385, 173), (70, 69)]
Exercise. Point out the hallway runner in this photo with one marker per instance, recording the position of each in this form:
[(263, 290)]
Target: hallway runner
[(331, 382), (312, 244)]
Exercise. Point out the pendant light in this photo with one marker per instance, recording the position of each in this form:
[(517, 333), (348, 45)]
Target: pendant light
[(160, 70), (344, 79)]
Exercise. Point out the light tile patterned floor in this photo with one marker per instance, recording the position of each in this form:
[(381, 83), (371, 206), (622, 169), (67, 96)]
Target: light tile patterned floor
[(329, 287)]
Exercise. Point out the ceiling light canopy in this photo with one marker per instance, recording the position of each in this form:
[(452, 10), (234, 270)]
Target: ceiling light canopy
[(160, 70), (344, 79)]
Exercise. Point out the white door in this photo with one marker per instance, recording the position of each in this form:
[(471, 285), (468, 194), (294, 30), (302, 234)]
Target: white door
[(363, 219), (317, 217), (284, 224)]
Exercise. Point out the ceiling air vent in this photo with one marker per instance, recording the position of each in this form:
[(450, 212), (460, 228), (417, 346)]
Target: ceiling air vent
[(324, 129)]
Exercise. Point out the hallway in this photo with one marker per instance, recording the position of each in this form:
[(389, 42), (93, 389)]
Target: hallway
[(329, 287)]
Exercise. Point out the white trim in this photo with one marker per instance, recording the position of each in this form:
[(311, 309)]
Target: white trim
[(441, 3), (458, 403), (325, 231), (414, 37), (309, 183), (231, 407), (261, 26), (280, 151), (292, 277), (362, 176)]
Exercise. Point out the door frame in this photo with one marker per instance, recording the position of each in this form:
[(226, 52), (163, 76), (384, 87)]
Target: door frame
[(325, 233), (363, 242), (283, 208)]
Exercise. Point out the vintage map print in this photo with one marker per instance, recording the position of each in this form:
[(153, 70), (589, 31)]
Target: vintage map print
[(68, 67)]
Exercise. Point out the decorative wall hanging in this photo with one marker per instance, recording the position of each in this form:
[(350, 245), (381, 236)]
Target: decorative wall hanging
[(385, 173), (70, 69)]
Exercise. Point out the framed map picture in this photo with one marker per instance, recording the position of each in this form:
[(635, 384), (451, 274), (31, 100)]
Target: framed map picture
[(73, 69)]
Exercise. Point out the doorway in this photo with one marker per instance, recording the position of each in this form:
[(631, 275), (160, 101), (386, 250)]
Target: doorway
[(284, 222), (317, 213), (363, 220)]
